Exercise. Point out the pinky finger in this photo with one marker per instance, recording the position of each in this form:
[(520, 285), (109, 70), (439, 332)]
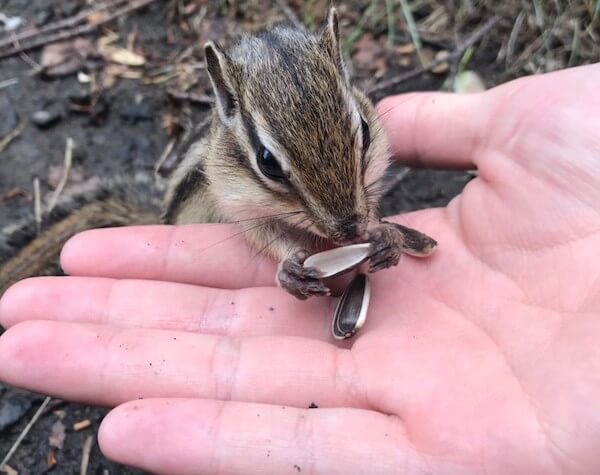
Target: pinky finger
[(186, 436)]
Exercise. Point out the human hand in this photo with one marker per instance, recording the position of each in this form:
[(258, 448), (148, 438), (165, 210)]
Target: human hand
[(483, 358)]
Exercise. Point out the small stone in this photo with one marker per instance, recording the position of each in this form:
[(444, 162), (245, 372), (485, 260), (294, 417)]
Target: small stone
[(81, 96), (45, 118), (443, 66), (468, 82), (10, 23), (137, 112), (13, 406)]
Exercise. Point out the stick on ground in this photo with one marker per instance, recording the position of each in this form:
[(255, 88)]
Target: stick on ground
[(454, 56), (25, 431), (68, 160), (85, 457), (5, 142)]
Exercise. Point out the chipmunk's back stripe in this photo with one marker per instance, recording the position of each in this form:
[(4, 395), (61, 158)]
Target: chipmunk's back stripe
[(287, 56)]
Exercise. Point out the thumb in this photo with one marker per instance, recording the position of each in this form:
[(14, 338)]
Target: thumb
[(435, 129)]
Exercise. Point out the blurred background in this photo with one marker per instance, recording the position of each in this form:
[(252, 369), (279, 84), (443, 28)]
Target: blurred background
[(94, 89)]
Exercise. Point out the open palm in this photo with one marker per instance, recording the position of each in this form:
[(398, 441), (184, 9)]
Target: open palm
[(484, 358)]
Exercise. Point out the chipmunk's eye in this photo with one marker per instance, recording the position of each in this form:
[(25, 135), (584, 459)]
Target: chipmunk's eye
[(366, 135), (268, 164)]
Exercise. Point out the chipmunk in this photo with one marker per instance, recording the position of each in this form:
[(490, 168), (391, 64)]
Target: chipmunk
[(295, 149)]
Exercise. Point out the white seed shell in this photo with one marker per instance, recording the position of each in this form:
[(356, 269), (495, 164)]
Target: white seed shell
[(336, 261), (351, 311)]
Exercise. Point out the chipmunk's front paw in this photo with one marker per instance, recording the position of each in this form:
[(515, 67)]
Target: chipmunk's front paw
[(386, 247), (390, 240), (299, 281)]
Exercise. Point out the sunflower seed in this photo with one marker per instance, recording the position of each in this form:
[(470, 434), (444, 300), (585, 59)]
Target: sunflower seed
[(336, 261), (351, 311)]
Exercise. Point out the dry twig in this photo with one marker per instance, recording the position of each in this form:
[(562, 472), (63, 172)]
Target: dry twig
[(59, 25), (85, 457), (13, 193), (37, 204), (163, 156), (455, 55), (9, 82), (68, 160), (5, 142), (190, 96), (25, 431)]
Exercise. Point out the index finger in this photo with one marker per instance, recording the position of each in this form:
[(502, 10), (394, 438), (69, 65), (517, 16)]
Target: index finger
[(213, 255)]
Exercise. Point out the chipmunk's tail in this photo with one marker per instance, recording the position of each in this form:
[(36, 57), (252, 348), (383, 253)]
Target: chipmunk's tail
[(29, 248)]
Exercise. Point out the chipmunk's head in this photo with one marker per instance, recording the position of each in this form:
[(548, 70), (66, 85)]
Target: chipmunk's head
[(298, 142)]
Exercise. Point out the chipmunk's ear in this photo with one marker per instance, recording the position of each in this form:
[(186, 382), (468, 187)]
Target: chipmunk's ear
[(217, 67), (330, 40)]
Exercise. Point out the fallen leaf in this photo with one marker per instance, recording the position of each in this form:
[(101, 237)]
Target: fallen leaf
[(81, 425), (98, 17), (443, 66), (408, 48), (68, 57), (106, 40), (57, 435), (8, 470), (110, 75), (368, 52), (125, 57), (51, 459)]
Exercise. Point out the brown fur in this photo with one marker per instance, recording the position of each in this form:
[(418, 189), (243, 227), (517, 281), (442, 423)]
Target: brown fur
[(25, 252)]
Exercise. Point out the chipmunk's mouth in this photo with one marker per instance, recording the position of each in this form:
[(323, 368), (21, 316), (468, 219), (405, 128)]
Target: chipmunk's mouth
[(351, 229)]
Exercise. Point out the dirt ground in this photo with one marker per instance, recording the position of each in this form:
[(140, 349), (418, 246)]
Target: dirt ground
[(123, 115)]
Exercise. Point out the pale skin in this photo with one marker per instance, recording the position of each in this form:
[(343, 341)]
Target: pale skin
[(481, 359)]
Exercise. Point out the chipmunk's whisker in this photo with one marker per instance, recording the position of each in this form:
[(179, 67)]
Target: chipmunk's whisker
[(269, 216)]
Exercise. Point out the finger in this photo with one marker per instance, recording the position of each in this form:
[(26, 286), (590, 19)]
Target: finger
[(205, 437), (165, 305), (109, 365), (435, 129), (210, 254), (204, 254)]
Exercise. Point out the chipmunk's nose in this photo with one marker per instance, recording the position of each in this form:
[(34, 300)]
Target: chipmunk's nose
[(350, 227)]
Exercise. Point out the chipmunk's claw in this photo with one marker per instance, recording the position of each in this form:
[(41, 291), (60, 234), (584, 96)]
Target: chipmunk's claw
[(390, 240), (302, 282), (386, 247)]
